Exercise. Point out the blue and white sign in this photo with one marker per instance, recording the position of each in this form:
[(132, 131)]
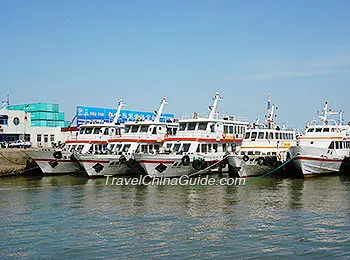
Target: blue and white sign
[(86, 115)]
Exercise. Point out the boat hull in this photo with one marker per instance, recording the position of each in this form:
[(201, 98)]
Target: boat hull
[(312, 162), (102, 165), (249, 168), (171, 165), (50, 165)]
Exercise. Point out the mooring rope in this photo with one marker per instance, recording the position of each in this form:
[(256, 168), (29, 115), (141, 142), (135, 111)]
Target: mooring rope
[(272, 171), (209, 167)]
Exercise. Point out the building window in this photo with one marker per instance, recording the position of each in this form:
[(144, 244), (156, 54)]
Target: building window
[(27, 137), (38, 138), (52, 138), (46, 138)]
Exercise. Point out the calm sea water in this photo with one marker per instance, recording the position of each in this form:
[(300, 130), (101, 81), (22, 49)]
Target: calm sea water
[(73, 217)]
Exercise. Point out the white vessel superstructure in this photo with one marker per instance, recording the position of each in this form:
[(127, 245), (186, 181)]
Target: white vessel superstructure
[(198, 143), (264, 147), (139, 136), (91, 139), (324, 146)]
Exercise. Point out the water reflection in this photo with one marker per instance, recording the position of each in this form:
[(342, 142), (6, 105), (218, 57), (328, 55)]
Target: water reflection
[(81, 218)]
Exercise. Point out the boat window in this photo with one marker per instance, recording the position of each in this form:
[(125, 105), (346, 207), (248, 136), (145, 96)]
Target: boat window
[(285, 136), (230, 129), (156, 147), (127, 128), (126, 148), (347, 145), (242, 153), (333, 130), (340, 145), (144, 148), (224, 147), (111, 146), (250, 153), (144, 128), (106, 132), (134, 128), (325, 129), (91, 149), (191, 126), (88, 130), (182, 127), (204, 148), (257, 153), (185, 147), (72, 149), (318, 130), (311, 129), (198, 148), (202, 126), (215, 148), (336, 145), (261, 135), (277, 136), (226, 128), (176, 147), (247, 135), (117, 147), (270, 135), (209, 148), (96, 130), (154, 131), (81, 130), (254, 134), (212, 128)]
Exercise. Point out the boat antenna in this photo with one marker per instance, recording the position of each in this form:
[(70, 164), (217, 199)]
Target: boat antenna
[(214, 106), (160, 110), (117, 114)]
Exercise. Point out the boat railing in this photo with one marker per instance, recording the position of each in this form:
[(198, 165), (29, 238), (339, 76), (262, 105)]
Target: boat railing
[(217, 116)]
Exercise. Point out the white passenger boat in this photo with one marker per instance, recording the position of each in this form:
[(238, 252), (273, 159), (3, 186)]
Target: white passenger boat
[(198, 143), (141, 136), (324, 146), (264, 147), (91, 138)]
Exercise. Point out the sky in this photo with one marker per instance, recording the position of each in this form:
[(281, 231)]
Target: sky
[(93, 53)]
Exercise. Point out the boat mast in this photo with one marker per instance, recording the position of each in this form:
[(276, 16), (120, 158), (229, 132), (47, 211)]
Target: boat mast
[(327, 112), (160, 110), (214, 106), (117, 114), (270, 112)]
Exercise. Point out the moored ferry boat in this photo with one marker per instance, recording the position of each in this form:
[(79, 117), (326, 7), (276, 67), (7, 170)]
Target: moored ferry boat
[(198, 143), (140, 136), (264, 147), (91, 138), (324, 147)]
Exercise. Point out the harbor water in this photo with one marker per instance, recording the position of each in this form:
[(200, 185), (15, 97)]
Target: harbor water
[(74, 217)]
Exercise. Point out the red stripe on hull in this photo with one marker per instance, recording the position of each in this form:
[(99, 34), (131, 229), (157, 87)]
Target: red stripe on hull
[(53, 159), (134, 140), (203, 139), (156, 162), (87, 141), (93, 161), (316, 159)]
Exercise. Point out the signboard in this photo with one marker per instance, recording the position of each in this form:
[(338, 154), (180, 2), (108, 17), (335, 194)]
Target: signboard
[(87, 115)]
